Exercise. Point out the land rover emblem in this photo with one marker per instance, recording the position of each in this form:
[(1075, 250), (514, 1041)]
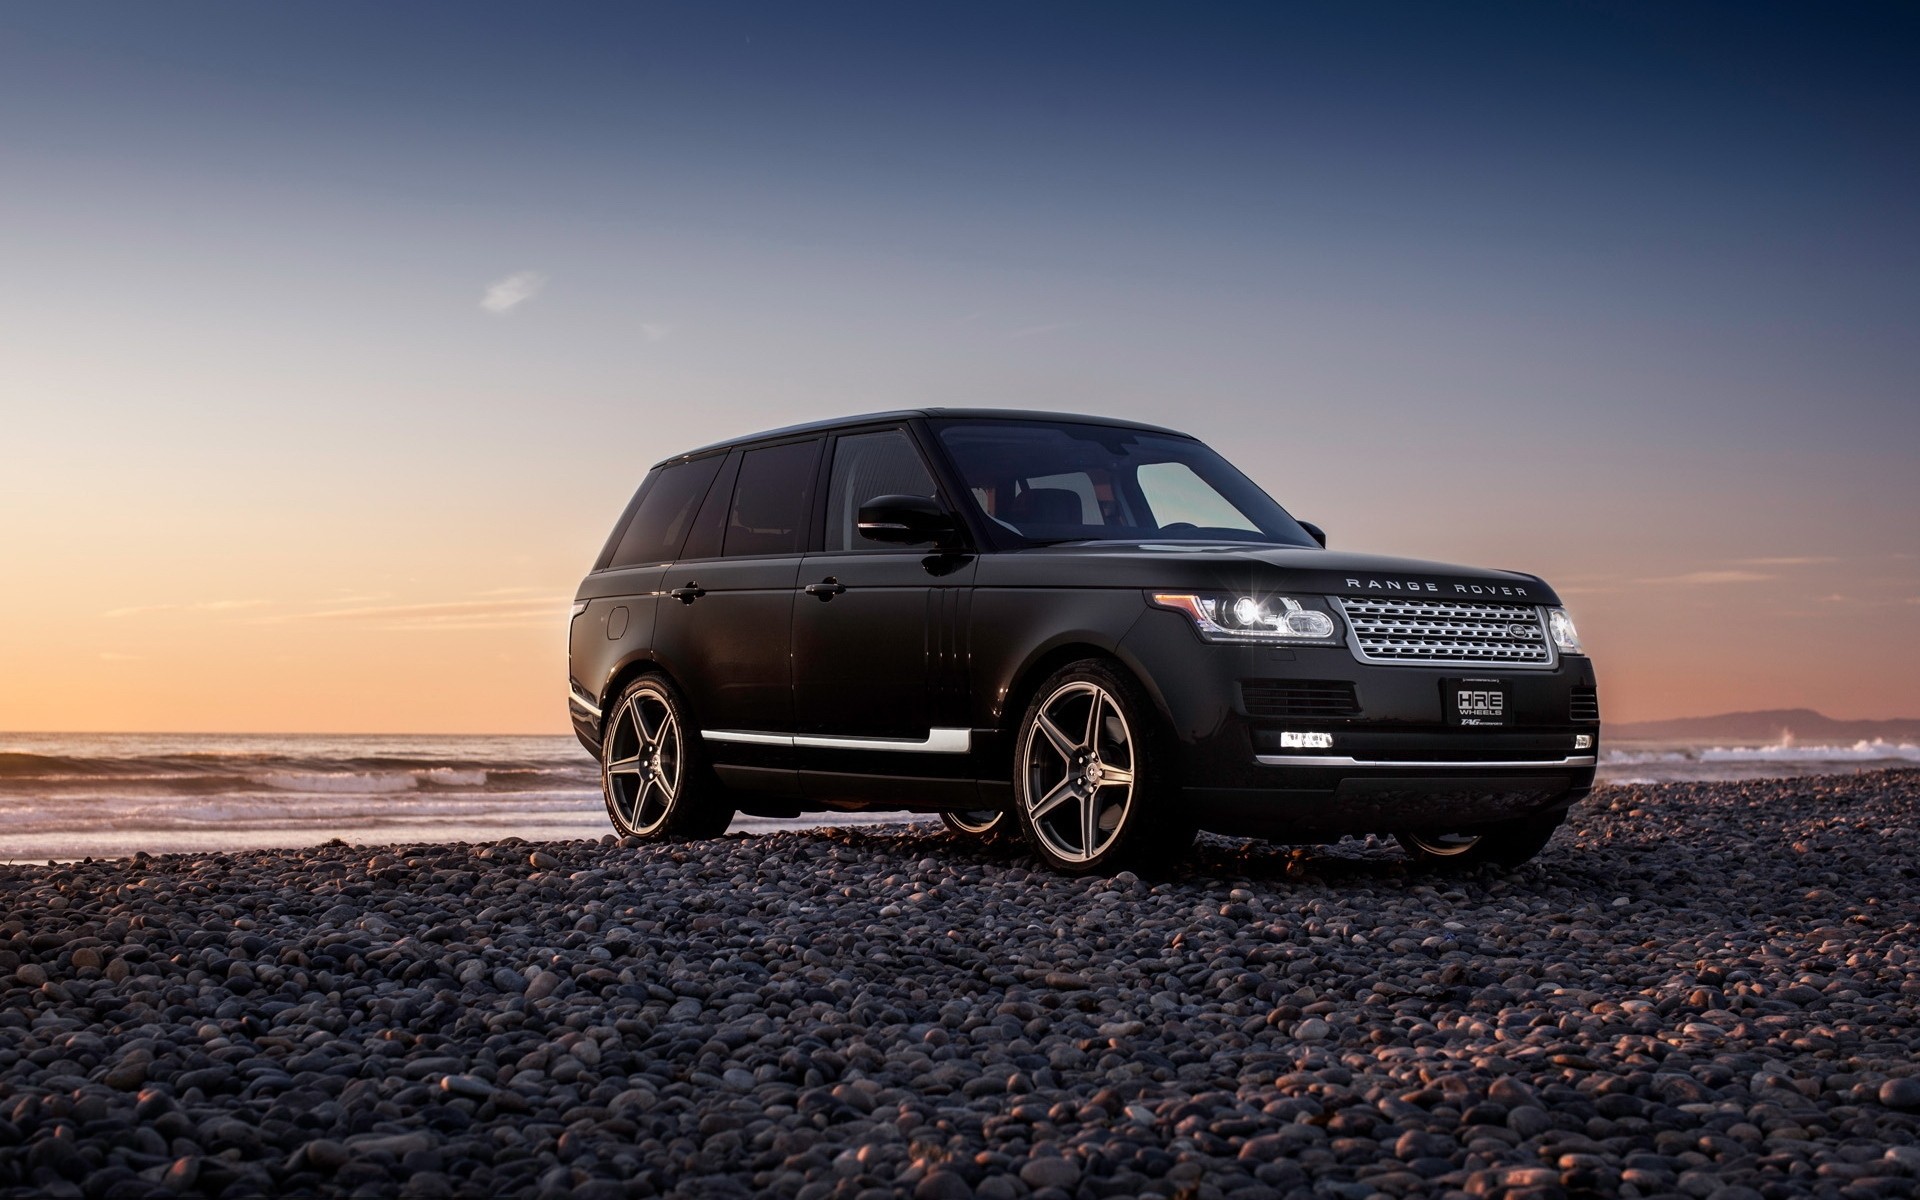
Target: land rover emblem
[(1523, 631)]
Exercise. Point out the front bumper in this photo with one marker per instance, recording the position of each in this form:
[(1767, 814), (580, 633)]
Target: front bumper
[(1394, 763)]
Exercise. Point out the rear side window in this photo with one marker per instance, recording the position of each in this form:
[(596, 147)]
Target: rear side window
[(772, 501), (866, 466), (667, 504)]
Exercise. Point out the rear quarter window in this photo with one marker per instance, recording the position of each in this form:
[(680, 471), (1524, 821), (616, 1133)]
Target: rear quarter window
[(667, 501)]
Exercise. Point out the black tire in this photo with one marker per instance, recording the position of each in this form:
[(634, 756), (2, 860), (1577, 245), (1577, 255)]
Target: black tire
[(1096, 785), (985, 827), (654, 770), (1507, 844)]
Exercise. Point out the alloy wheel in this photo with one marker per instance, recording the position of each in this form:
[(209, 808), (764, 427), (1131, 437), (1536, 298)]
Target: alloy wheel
[(1078, 755), (644, 762)]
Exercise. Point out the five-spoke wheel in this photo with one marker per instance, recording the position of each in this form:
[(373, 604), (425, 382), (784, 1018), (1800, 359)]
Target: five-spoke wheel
[(1085, 778), (656, 783)]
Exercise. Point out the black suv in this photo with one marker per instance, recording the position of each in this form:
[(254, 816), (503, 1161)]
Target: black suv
[(1097, 633)]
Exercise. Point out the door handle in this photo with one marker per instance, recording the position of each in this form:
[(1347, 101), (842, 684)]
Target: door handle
[(688, 594), (826, 589)]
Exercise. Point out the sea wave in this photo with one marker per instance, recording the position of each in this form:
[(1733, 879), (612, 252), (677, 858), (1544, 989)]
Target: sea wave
[(371, 783), (1864, 751)]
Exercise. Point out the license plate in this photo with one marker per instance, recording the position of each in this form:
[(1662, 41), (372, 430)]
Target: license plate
[(1478, 703)]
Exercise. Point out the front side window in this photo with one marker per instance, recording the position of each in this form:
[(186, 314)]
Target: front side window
[(1048, 482), (668, 500), (772, 500), (867, 466)]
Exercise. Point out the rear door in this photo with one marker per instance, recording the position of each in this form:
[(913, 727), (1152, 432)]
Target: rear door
[(725, 619)]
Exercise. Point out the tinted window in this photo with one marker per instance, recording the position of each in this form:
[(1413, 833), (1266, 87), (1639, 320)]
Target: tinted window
[(1056, 482), (668, 501), (867, 465), (710, 527), (771, 501)]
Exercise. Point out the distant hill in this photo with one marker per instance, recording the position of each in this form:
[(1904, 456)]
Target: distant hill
[(1803, 725)]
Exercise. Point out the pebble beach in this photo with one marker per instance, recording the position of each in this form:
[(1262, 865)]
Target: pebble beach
[(1706, 990)]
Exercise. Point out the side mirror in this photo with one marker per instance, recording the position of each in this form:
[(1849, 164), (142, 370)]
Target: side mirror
[(905, 520), (1319, 534)]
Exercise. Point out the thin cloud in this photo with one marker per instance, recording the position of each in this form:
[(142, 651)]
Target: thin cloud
[(116, 656), (504, 613), (650, 332), (505, 295), (1693, 578), (1039, 330), (1783, 562), (199, 606)]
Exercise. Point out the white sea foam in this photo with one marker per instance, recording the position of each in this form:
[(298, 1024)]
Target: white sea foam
[(1861, 751), (454, 777)]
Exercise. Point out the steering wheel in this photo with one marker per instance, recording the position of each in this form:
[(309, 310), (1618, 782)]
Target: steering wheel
[(1178, 527)]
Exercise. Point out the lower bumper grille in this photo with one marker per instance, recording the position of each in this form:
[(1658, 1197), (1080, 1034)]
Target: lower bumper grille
[(1287, 699), (1585, 705)]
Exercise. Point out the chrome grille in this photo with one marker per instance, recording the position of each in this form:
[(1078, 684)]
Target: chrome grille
[(1446, 632)]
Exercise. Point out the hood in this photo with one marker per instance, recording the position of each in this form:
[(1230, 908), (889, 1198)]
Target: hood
[(1231, 566)]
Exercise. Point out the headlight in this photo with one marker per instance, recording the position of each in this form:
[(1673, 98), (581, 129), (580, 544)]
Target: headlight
[(1565, 636), (1237, 618)]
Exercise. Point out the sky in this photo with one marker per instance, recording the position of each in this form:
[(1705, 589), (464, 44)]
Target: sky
[(333, 337)]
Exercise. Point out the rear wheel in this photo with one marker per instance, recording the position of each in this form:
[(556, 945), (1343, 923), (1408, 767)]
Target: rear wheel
[(657, 781), (1093, 778), (1507, 844)]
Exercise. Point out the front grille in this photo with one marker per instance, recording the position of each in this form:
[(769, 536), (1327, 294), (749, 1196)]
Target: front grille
[(1446, 632), (1289, 698), (1586, 704)]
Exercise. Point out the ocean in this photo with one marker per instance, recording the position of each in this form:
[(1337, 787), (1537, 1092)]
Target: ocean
[(68, 796)]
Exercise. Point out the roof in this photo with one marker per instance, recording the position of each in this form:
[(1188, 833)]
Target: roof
[(902, 414)]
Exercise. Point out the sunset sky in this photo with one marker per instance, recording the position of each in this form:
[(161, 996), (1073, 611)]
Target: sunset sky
[(333, 337)]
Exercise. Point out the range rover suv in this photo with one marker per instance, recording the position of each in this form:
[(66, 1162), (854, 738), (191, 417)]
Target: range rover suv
[(1094, 636)]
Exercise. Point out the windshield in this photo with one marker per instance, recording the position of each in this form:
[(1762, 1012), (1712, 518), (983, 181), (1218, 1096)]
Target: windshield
[(1051, 482)]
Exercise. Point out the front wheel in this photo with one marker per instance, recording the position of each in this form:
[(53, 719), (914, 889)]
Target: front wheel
[(1094, 783), (1507, 844), (656, 777), (988, 827)]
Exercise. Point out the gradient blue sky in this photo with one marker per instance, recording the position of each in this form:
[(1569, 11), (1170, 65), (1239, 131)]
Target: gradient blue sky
[(1622, 294)]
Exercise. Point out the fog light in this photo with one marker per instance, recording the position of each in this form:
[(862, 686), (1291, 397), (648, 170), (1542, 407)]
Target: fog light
[(1306, 741), (1583, 741)]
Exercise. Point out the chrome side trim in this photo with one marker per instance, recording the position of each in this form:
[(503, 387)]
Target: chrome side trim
[(937, 741), (1341, 760), (583, 704), (741, 735)]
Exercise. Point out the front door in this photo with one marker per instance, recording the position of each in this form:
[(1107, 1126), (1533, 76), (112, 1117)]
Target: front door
[(878, 666)]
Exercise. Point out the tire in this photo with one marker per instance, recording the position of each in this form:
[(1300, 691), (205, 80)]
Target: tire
[(1507, 844), (985, 827), (654, 771), (1095, 782)]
